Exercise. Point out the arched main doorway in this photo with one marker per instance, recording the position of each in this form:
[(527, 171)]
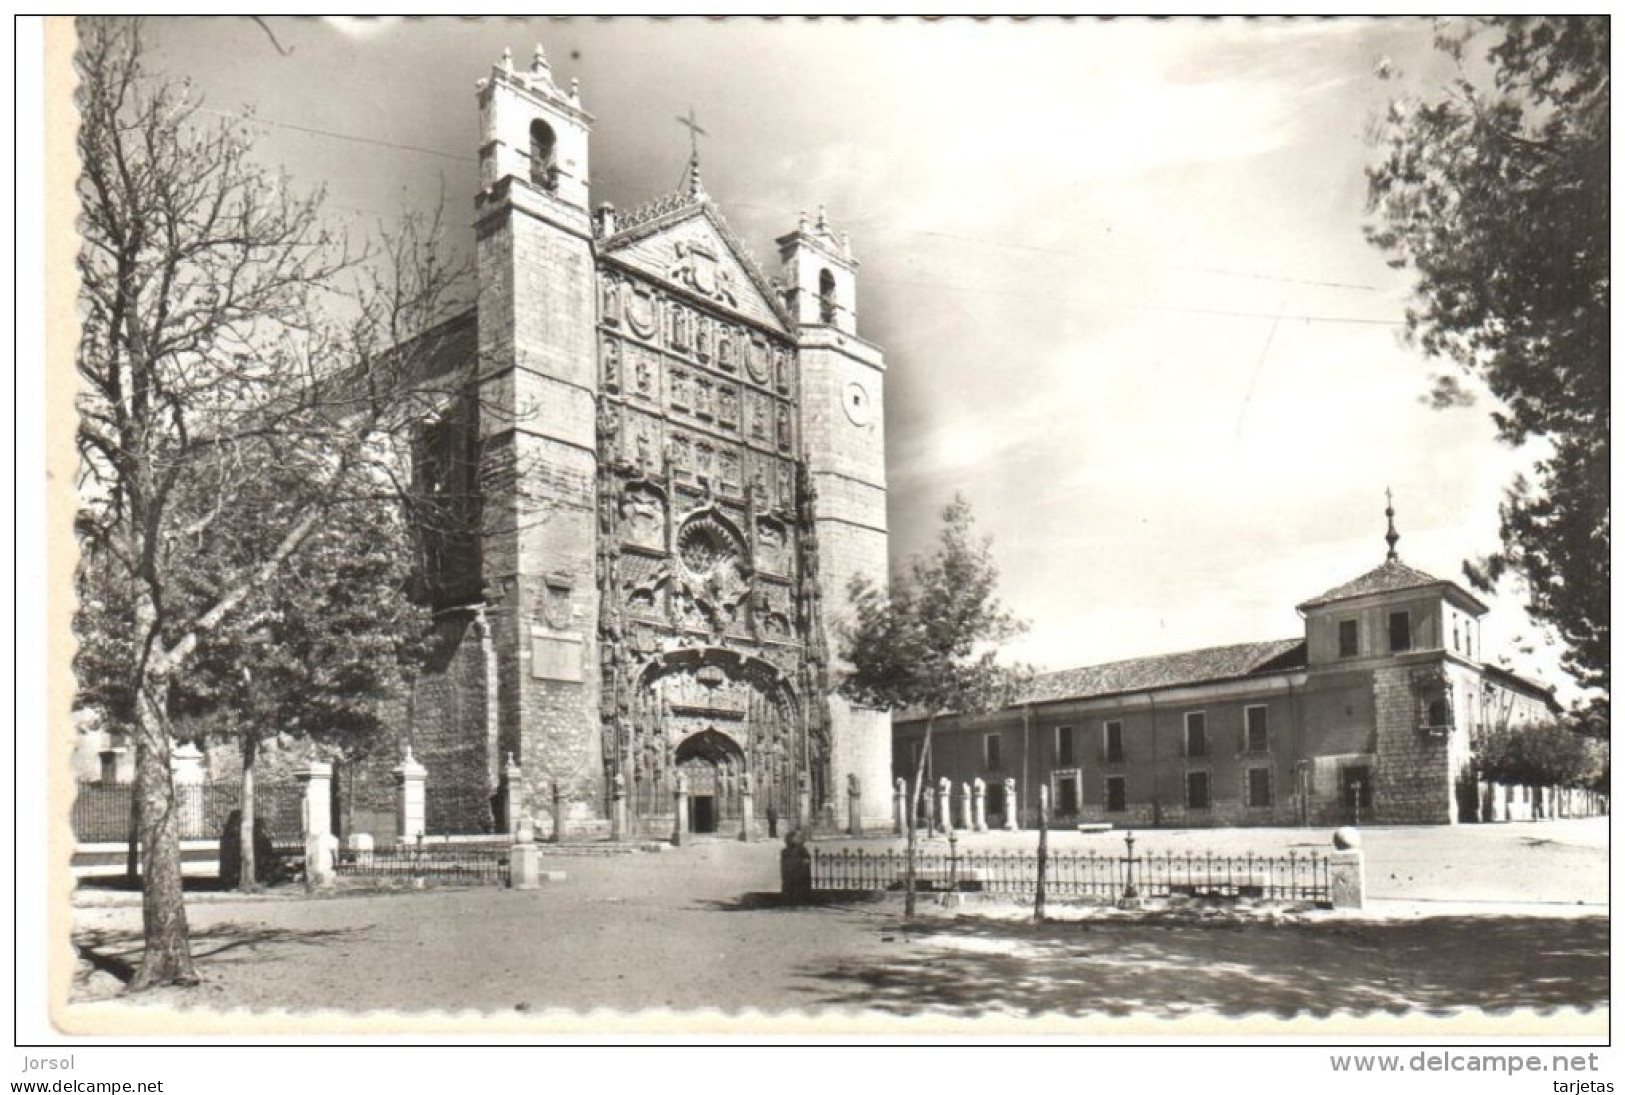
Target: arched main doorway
[(714, 715), (711, 764)]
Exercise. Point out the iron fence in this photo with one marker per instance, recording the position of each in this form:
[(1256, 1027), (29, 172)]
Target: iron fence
[(101, 811), (1290, 878), (469, 864)]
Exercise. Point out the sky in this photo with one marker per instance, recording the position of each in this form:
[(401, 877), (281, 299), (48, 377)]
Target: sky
[(1117, 269)]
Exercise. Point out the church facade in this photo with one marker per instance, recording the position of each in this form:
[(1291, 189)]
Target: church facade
[(1368, 717), (678, 465)]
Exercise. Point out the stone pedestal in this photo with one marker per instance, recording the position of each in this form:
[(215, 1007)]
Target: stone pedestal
[(1346, 876), (1012, 811), (410, 779), (321, 849), (317, 810), (186, 766), (525, 866), (513, 795), (899, 807), (978, 808)]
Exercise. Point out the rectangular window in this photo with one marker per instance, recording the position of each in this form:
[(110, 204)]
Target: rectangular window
[(1116, 794), (1065, 755), (1114, 741), (1258, 729), (1348, 639), (1399, 632), (1066, 797), (1260, 789), (993, 752), (1196, 734), (1196, 791)]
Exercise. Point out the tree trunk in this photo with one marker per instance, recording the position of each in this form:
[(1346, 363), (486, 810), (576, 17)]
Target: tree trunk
[(911, 848), (248, 879), (167, 957)]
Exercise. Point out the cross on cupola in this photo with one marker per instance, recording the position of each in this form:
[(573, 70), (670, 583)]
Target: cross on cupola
[(696, 189)]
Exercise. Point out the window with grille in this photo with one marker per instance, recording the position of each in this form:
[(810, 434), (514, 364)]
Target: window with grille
[(1258, 730), (1116, 794), (1065, 753), (1197, 796), (1399, 632), (993, 752), (1348, 639), (1260, 787), (1196, 734), (1114, 742)]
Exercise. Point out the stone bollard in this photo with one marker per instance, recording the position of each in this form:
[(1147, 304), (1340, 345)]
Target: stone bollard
[(967, 820), (320, 851), (186, 765), (361, 847), (854, 805), (795, 868), (317, 809), (945, 804), (978, 812), (679, 820), (1346, 873), (899, 807), (747, 808), (410, 778), (1012, 812), (558, 813)]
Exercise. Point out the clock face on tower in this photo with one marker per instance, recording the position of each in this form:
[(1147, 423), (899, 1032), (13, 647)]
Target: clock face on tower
[(855, 402)]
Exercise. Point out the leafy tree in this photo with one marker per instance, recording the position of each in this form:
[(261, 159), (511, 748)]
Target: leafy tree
[(314, 655), (1496, 193), (225, 335), (1539, 754), (931, 645)]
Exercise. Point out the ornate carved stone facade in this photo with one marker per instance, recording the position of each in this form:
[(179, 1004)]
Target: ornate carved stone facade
[(670, 499)]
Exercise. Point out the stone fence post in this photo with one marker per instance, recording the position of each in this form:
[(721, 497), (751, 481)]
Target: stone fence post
[(410, 779), (1346, 874), (899, 807), (978, 813), (945, 804), (186, 766), (317, 810), (513, 795), (1011, 809), (854, 803)]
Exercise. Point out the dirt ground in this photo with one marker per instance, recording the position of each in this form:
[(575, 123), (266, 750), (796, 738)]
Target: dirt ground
[(1486, 917)]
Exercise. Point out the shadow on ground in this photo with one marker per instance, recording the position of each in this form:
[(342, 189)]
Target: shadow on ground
[(971, 967), (119, 952)]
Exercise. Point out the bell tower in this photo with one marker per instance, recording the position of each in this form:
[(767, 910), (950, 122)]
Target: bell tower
[(844, 439), (538, 383)]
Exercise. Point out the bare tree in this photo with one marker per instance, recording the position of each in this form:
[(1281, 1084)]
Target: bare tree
[(225, 333)]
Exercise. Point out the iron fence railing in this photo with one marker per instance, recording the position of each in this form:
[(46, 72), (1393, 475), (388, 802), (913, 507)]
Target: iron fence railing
[(475, 865), (1291, 877), (101, 811)]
